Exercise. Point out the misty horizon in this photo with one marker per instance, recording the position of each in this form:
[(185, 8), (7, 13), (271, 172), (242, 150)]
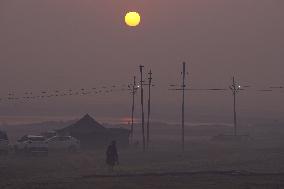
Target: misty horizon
[(141, 94), (51, 45)]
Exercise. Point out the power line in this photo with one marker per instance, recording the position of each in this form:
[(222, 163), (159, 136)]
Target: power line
[(235, 88)]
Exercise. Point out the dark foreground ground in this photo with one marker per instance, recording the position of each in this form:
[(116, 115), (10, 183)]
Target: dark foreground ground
[(199, 181), (205, 164)]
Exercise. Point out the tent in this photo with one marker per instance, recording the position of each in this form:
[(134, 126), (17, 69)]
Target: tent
[(93, 135)]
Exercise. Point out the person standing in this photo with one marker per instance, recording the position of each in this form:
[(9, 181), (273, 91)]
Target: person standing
[(112, 155)]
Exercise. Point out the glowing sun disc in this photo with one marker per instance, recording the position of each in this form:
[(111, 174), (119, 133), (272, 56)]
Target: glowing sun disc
[(132, 19)]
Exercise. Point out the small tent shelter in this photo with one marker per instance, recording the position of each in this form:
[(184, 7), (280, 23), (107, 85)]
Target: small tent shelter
[(93, 135)]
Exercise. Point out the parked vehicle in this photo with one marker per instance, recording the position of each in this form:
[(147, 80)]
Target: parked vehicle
[(4, 143), (63, 143), (49, 134), (32, 144)]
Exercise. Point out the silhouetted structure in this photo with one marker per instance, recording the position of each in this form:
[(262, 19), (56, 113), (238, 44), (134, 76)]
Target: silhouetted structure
[(93, 135), (133, 88), (142, 105), (3, 135), (183, 88), (235, 89), (149, 107)]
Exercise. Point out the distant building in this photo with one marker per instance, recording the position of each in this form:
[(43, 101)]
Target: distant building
[(93, 135)]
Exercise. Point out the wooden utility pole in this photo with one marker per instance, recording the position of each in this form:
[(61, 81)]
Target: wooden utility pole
[(149, 108), (183, 90), (235, 89), (133, 92), (142, 105)]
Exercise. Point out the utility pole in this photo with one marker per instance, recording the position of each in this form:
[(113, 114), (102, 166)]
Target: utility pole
[(133, 92), (142, 105), (149, 107), (235, 89), (183, 90)]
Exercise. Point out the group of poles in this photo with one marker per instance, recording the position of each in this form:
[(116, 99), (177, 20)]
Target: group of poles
[(134, 88), (235, 88)]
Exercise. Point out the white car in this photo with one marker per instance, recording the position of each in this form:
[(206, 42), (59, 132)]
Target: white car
[(4, 143), (32, 144), (68, 143)]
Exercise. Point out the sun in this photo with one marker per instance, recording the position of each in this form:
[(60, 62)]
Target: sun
[(132, 19)]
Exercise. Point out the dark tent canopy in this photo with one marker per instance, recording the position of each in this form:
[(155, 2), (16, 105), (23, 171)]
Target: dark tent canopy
[(93, 135)]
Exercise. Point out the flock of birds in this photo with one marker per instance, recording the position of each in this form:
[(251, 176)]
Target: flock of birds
[(45, 94)]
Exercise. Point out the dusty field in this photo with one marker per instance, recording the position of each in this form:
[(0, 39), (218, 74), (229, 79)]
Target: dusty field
[(202, 166), (200, 181)]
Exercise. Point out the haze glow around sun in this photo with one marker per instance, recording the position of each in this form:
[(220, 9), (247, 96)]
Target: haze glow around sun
[(132, 19)]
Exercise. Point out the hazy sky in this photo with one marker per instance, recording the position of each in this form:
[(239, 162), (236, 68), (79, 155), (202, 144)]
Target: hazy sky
[(62, 44)]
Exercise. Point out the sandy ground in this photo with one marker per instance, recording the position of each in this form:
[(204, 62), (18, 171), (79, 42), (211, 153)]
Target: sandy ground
[(204, 165), (199, 181)]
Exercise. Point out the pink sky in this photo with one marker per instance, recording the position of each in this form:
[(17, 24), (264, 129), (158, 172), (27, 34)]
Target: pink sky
[(61, 44)]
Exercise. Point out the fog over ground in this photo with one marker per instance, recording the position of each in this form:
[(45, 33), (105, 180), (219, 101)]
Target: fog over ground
[(51, 44)]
